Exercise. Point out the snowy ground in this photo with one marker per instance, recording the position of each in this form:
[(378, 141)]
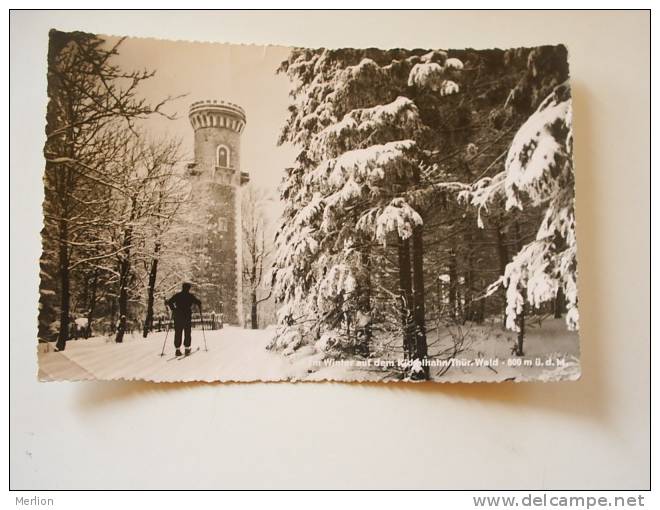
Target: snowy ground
[(236, 354), (551, 353)]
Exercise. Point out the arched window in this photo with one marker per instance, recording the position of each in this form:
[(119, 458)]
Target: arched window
[(223, 156)]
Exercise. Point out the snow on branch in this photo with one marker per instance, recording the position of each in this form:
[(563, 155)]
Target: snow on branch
[(434, 77), (398, 216), (396, 120), (366, 78), (482, 193), (309, 211), (369, 166), (337, 281), (538, 163)]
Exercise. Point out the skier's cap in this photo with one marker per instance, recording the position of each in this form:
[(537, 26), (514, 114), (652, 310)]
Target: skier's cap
[(186, 285)]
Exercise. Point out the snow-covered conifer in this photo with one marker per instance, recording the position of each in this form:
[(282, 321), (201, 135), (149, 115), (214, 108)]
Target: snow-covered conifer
[(355, 119), (539, 172)]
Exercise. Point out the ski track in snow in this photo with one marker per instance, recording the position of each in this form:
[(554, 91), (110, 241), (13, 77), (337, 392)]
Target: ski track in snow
[(236, 354)]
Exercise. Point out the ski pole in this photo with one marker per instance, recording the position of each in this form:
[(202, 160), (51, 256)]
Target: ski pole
[(167, 332), (162, 353), (201, 320)]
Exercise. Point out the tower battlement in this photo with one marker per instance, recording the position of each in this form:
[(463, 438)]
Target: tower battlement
[(215, 113)]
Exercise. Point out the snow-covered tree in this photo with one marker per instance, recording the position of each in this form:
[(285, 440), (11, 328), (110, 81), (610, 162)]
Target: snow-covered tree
[(355, 119), (89, 95), (539, 173), (257, 248), (165, 194)]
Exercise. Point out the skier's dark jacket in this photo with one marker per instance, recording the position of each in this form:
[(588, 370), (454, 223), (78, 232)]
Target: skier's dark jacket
[(181, 305)]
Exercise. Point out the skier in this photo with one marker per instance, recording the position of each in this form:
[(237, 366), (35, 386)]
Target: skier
[(181, 305)]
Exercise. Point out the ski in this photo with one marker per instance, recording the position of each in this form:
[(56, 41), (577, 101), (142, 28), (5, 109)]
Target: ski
[(188, 355), (183, 355)]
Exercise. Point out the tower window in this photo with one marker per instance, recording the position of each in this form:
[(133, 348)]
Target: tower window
[(222, 224), (223, 156)]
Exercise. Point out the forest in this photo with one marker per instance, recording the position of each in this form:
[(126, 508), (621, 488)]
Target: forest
[(433, 190)]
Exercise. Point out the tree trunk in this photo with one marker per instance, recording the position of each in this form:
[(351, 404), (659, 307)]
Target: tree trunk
[(560, 303), (63, 179), (468, 283), (405, 295), (151, 289), (113, 312), (467, 293), (520, 319), (503, 258), (365, 307), (65, 290), (254, 318), (453, 286), (477, 277), (420, 344), (92, 302), (83, 303), (481, 310), (124, 274)]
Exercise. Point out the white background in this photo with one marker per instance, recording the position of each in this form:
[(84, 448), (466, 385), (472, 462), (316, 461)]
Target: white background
[(589, 434)]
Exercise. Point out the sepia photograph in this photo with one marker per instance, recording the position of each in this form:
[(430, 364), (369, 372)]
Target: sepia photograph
[(224, 212)]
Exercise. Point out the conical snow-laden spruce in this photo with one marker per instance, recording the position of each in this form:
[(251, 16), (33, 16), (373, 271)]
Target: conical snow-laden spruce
[(356, 123)]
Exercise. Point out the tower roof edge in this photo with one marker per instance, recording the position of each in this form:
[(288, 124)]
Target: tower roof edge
[(217, 106)]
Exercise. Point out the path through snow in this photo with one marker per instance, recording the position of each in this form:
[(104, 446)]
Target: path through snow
[(234, 354)]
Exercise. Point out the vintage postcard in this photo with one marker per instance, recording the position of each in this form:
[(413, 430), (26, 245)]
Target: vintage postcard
[(218, 212)]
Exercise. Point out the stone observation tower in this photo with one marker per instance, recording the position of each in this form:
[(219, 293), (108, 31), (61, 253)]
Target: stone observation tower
[(216, 180)]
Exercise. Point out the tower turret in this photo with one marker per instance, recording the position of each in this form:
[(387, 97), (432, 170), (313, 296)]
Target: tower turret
[(216, 179)]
